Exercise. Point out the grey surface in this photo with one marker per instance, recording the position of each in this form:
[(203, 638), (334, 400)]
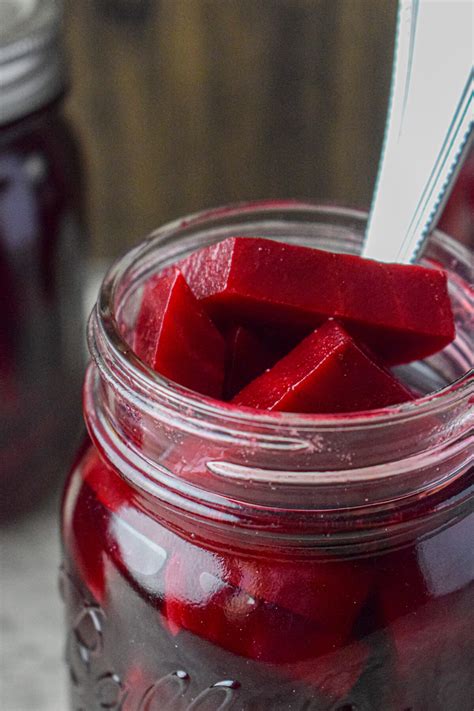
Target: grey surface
[(32, 676)]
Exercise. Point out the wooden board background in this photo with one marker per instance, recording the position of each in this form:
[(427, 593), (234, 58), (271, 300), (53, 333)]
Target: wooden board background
[(186, 104)]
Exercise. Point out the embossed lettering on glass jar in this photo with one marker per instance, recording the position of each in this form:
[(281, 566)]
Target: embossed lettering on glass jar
[(216, 559)]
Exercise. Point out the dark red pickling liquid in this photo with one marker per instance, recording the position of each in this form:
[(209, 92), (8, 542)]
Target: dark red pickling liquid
[(160, 619), (41, 246)]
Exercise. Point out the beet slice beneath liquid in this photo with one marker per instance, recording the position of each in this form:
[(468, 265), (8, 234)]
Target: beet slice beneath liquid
[(175, 337), (327, 372), (330, 592), (201, 598), (401, 312)]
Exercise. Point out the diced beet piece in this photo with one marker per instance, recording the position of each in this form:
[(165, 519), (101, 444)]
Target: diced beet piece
[(175, 337), (335, 674), (430, 646), (85, 540), (85, 524), (327, 372), (247, 357), (402, 312), (401, 585), (330, 592), (199, 598), (102, 495), (426, 613)]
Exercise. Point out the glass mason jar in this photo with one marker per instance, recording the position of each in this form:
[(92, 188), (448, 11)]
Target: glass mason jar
[(221, 559), (42, 239)]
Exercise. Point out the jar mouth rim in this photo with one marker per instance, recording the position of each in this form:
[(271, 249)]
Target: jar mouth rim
[(159, 388)]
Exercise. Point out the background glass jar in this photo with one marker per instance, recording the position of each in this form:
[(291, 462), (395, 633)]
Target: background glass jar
[(42, 240), (216, 559)]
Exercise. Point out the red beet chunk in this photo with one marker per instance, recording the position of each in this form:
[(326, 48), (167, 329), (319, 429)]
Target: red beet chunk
[(85, 524), (328, 592), (247, 357), (327, 372), (199, 598), (334, 674), (254, 607), (175, 337), (427, 618), (401, 312)]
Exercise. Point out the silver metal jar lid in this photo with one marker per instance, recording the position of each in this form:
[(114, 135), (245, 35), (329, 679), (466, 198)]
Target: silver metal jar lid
[(32, 68)]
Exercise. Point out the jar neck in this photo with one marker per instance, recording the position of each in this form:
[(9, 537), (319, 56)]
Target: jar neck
[(296, 477)]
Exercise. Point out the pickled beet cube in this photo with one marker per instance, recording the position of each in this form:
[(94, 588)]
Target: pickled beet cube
[(401, 586), (330, 592), (402, 312), (175, 337), (424, 609), (326, 372), (85, 524), (102, 497), (334, 674), (200, 598), (247, 356)]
